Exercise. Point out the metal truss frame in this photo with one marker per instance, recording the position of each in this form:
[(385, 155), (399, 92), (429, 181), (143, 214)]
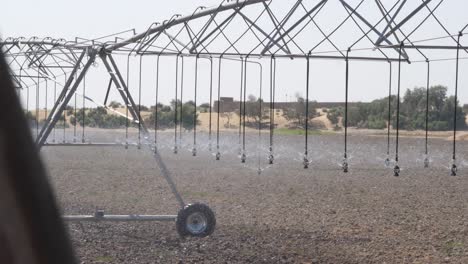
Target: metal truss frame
[(192, 35)]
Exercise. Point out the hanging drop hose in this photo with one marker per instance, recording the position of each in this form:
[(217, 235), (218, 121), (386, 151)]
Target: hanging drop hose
[(127, 102), (453, 169), (139, 103), (45, 109), (272, 106), (156, 106), (260, 102), (37, 106), (181, 115), (194, 149), (218, 154), (396, 169), (55, 101), (211, 101), (345, 164), (74, 125), (240, 104), (84, 116), (64, 117), (306, 146), (426, 158), (175, 104), (243, 155), (389, 117), (27, 103)]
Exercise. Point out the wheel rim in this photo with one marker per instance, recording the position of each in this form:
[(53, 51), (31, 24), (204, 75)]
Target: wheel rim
[(196, 223)]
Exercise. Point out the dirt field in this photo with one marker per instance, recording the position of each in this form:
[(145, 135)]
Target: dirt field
[(284, 215)]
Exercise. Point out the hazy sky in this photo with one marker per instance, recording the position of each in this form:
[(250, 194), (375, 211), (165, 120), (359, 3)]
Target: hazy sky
[(368, 80)]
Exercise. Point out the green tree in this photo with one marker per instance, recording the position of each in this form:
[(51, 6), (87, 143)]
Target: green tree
[(297, 112)]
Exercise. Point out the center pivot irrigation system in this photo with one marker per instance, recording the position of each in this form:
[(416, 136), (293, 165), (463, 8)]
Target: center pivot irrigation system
[(250, 32)]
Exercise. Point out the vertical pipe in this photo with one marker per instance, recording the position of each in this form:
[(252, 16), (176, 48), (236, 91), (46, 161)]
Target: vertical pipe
[(211, 101), (176, 103), (181, 115), (139, 102), (244, 156), (37, 105), (455, 103), (194, 150), (345, 156), (156, 105), (272, 110), (240, 104), (74, 126), (396, 169), (55, 101), (46, 94), (426, 159), (218, 154), (389, 118), (84, 111), (64, 116), (306, 146)]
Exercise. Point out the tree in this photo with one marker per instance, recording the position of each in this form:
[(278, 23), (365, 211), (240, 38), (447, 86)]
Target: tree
[(252, 111), (204, 108), (297, 112), (228, 116), (165, 114), (98, 117), (374, 115), (115, 104)]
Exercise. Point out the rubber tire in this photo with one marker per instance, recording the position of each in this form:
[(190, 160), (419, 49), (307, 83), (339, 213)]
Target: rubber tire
[(190, 209)]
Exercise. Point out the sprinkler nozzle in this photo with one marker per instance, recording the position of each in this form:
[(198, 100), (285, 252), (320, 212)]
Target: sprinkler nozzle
[(345, 165), (305, 162), (453, 170), (387, 162), (271, 158), (426, 162), (396, 171)]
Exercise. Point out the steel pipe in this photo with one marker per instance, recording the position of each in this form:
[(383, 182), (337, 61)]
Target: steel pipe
[(119, 218)]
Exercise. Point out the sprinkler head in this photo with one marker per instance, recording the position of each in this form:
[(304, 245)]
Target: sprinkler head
[(453, 170), (426, 163), (271, 158), (243, 157), (139, 146), (194, 152), (126, 145), (176, 150), (259, 171), (387, 162), (218, 155), (345, 166), (305, 162), (396, 171)]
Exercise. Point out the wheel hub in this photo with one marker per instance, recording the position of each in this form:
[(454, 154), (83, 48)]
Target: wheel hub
[(196, 223)]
